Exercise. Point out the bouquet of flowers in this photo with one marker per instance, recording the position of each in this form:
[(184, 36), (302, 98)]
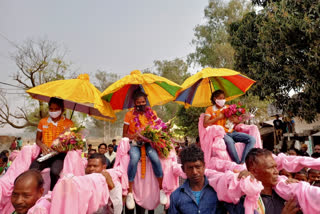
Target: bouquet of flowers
[(159, 139), (236, 113), (70, 139)]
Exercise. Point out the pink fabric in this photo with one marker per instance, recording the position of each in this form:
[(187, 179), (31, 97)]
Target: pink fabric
[(79, 194), (13, 155), (47, 181), (73, 164), (19, 165), (146, 191), (213, 145), (296, 163), (307, 196), (42, 206), (229, 188)]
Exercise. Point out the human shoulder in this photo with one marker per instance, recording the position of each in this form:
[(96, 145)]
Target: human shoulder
[(44, 120)]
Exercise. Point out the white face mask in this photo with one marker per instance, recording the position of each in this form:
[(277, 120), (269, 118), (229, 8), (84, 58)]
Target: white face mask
[(220, 102), (54, 114)]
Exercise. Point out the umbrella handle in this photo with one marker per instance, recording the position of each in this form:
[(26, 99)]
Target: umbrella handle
[(74, 107)]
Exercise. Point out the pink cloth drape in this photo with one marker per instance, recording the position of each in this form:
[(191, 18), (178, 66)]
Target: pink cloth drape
[(42, 206), (307, 196), (296, 163), (79, 194), (20, 164), (146, 191), (214, 148)]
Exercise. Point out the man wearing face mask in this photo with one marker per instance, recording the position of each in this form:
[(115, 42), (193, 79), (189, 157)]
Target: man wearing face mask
[(214, 116), (50, 128)]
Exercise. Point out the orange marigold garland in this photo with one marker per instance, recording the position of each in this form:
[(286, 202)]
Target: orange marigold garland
[(143, 161)]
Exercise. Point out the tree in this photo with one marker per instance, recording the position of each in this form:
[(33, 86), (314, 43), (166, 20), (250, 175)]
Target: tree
[(102, 80), (212, 38), (280, 48), (38, 62)]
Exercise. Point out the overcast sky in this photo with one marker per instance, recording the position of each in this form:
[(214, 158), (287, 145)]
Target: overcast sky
[(112, 35)]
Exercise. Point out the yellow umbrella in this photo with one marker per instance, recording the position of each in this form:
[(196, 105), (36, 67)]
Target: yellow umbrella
[(197, 89), (78, 94), (159, 89)]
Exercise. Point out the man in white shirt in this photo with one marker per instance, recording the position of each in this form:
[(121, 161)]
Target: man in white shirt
[(110, 155)]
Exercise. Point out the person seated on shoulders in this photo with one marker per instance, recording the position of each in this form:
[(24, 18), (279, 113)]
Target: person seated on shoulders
[(264, 168), (97, 163), (49, 129), (313, 176), (302, 175), (134, 122), (27, 190), (214, 116)]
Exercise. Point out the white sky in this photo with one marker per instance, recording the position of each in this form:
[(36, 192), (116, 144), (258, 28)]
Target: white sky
[(112, 35)]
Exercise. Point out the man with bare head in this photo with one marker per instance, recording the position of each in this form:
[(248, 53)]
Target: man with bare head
[(27, 190), (264, 168)]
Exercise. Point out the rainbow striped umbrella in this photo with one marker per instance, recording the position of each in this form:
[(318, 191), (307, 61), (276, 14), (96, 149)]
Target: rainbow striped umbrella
[(197, 89), (159, 90)]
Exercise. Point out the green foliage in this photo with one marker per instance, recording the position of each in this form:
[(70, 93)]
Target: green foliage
[(280, 48), (188, 119), (212, 39)]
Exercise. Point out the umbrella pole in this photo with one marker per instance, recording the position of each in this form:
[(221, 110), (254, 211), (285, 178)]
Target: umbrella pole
[(210, 85), (74, 107)]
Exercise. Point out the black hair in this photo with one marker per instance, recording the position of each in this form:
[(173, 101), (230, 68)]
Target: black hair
[(34, 173), (99, 156), (4, 152), (89, 145), (57, 101), (312, 171), (303, 172), (3, 157), (315, 155), (253, 154), (113, 140), (102, 144), (138, 93), (215, 94), (198, 139), (191, 153), (110, 145), (92, 150)]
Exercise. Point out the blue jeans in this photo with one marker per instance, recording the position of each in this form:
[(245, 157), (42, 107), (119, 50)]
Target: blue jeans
[(231, 138), (135, 154)]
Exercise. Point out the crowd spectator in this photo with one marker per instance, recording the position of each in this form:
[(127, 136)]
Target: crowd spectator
[(3, 164), (110, 155), (102, 149), (316, 153), (278, 127), (198, 141), (285, 173), (115, 146), (302, 175), (91, 152), (13, 145), (303, 150), (313, 176), (28, 188), (89, 147), (293, 152), (19, 143)]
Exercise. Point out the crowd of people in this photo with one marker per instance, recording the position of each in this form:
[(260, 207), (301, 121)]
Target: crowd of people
[(249, 177)]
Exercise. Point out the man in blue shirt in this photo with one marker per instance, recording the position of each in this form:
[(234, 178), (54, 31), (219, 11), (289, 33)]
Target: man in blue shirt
[(195, 195)]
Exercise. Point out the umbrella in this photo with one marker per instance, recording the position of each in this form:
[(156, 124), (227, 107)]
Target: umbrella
[(197, 89), (159, 89), (78, 94)]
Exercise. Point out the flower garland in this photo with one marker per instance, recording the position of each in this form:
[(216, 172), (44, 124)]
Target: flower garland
[(152, 118)]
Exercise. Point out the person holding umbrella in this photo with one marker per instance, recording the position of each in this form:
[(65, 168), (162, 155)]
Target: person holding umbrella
[(49, 129), (135, 121), (214, 116)]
